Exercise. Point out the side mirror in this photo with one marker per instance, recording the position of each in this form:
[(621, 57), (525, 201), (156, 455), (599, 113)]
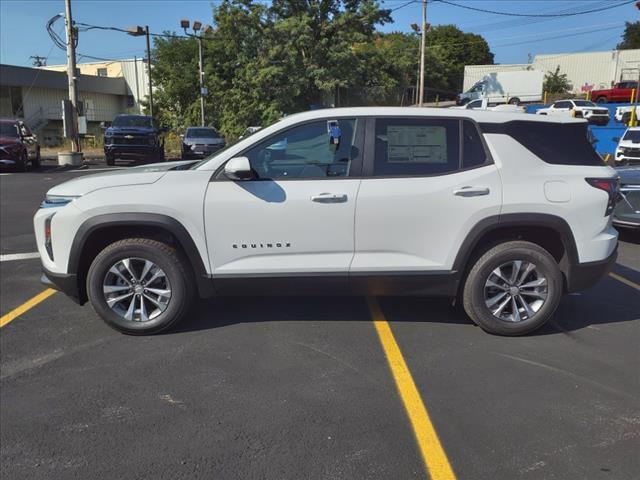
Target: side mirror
[(182, 136), (335, 134), (238, 169), (103, 125)]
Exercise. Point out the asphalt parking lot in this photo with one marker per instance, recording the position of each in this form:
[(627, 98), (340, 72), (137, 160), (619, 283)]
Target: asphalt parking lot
[(312, 388)]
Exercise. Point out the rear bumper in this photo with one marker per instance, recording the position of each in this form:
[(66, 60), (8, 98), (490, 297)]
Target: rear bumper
[(66, 283), (582, 276)]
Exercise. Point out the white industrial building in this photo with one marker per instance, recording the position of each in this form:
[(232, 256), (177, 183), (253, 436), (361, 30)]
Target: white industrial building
[(36, 96), (585, 71)]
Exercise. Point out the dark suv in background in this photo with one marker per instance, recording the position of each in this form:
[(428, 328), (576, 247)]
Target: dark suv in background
[(133, 137), (200, 142)]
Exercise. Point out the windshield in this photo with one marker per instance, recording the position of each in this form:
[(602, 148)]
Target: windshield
[(8, 130), (202, 133), (584, 103), (632, 135), (132, 121)]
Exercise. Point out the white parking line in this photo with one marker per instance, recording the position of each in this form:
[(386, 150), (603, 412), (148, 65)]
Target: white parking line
[(18, 256)]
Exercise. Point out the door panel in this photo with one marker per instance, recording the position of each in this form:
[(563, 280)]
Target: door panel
[(419, 223), (296, 216), (275, 227), (443, 183)]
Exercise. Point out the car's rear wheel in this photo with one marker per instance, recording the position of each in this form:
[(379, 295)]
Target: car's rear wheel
[(601, 100), (514, 101), (513, 288), (140, 286)]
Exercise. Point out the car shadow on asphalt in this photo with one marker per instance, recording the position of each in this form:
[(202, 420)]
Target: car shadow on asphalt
[(608, 302)]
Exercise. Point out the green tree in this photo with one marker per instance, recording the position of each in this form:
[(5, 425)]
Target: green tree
[(556, 82), (631, 36)]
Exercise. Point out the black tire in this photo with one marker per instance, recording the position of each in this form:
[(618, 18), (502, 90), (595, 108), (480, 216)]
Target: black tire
[(36, 162), (167, 258), (23, 162), (473, 297), (110, 159), (626, 118), (601, 100), (514, 101)]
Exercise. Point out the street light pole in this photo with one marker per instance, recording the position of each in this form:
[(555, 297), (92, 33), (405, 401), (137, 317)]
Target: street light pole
[(71, 75), (137, 31), (146, 31), (423, 43), (201, 81), (198, 27)]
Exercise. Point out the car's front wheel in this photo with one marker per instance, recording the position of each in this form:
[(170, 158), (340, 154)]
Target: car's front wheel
[(513, 288), (140, 286)]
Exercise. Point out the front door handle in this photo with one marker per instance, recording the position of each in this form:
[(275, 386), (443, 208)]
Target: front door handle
[(329, 198), (469, 191)]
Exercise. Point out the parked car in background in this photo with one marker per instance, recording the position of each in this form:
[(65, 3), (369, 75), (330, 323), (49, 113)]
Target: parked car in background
[(623, 114), (628, 149), (19, 147), (504, 211), (493, 107), (506, 87), (133, 137), (248, 131), (200, 142), (578, 109), (620, 92), (627, 211)]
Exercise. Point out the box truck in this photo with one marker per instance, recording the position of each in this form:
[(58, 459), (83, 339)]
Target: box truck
[(506, 87)]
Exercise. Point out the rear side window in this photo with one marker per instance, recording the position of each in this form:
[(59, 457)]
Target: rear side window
[(473, 153), (416, 147), (554, 143)]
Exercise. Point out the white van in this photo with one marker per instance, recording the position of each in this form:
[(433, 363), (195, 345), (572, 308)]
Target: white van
[(506, 87)]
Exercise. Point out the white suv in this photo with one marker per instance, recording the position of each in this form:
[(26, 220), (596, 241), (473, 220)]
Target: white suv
[(502, 210), (591, 112)]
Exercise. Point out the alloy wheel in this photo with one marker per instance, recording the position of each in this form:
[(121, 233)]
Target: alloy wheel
[(136, 289), (515, 291)]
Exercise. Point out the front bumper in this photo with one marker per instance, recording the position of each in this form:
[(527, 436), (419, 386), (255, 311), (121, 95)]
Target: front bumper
[(598, 119), (582, 276), (199, 152), (66, 283)]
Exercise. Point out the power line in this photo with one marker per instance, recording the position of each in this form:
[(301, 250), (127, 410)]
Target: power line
[(539, 15)]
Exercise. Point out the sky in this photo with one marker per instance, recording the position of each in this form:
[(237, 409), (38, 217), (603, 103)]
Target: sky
[(512, 39)]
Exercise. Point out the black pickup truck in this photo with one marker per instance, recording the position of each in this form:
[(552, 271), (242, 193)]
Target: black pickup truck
[(133, 137)]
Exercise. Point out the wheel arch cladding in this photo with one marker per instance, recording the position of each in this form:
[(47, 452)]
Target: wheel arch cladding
[(539, 228), (99, 231)]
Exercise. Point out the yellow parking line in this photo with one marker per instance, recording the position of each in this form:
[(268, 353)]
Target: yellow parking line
[(433, 454), (624, 280), (26, 306)]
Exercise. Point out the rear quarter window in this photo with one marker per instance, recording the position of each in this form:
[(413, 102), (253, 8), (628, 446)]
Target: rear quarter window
[(554, 143)]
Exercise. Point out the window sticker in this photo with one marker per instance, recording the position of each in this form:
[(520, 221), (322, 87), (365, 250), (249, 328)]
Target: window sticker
[(416, 144)]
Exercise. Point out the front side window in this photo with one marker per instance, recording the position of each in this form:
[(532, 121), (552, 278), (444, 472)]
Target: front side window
[(475, 104), (584, 103), (312, 150), (416, 147), (563, 105)]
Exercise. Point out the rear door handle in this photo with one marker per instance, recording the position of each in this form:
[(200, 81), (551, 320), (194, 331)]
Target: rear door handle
[(329, 198), (471, 191)]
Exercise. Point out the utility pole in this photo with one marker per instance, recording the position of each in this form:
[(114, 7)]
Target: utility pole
[(422, 51), (202, 89), (71, 75), (146, 31)]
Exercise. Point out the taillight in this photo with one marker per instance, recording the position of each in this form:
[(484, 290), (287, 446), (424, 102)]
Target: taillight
[(609, 185)]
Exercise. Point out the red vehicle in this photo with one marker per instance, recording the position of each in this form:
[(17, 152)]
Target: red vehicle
[(18, 146), (621, 92)]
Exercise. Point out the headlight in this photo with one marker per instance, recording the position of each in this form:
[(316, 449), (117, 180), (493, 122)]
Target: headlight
[(54, 201)]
